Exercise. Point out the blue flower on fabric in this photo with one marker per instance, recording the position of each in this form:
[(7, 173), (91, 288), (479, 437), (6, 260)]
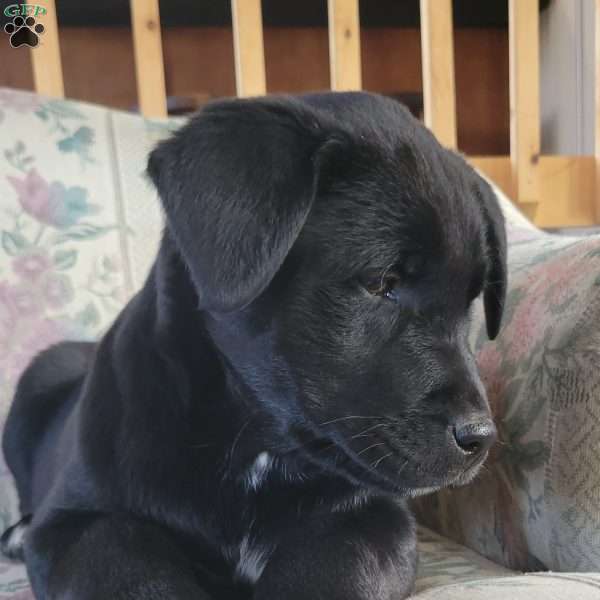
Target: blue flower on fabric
[(70, 205), (79, 142)]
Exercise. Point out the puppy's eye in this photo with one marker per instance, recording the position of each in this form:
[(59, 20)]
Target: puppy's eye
[(384, 286)]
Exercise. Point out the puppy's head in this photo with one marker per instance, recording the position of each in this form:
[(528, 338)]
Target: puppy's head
[(336, 250)]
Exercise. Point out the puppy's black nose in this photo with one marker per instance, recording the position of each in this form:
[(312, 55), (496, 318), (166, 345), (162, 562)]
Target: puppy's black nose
[(475, 438)]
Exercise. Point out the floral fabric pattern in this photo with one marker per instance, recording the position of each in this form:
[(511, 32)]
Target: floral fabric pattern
[(442, 561), (536, 505), (533, 586), (70, 242), (14, 584), (448, 570)]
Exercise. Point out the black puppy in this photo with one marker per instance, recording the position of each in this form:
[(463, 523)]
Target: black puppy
[(294, 368)]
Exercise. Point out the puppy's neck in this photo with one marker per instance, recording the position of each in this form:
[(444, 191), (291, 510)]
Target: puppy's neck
[(196, 365), (254, 443)]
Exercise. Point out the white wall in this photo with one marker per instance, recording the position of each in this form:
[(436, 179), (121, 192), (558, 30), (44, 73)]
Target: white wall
[(567, 77)]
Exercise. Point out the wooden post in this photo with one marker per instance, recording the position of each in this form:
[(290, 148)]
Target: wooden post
[(248, 44), (437, 51), (45, 58), (149, 64), (344, 45), (597, 111), (524, 98)]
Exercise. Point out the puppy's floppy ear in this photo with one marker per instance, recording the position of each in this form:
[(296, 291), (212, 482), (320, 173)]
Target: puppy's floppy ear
[(494, 291), (237, 183)]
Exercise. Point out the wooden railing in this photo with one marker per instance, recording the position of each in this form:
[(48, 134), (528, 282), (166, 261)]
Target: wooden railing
[(554, 191)]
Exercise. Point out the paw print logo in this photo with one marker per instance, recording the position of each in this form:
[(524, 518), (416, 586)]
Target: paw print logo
[(24, 32)]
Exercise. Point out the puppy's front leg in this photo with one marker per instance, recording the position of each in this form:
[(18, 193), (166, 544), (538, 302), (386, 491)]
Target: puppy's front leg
[(363, 554), (79, 556)]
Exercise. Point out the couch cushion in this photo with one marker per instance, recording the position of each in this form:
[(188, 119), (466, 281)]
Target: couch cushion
[(537, 503), (79, 225), (533, 586), (448, 570), (13, 581), (442, 561)]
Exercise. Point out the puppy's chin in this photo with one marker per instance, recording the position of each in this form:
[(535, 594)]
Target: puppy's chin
[(463, 479), (450, 480), (469, 474)]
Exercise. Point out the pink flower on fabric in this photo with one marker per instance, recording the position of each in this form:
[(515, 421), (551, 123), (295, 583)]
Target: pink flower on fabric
[(489, 359), (528, 324), (565, 274), (26, 301), (32, 264), (34, 195), (8, 310), (548, 286), (54, 203), (58, 290)]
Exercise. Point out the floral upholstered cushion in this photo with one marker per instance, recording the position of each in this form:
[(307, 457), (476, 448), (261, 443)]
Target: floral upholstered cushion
[(442, 562), (79, 225), (450, 571), (537, 503), (533, 586)]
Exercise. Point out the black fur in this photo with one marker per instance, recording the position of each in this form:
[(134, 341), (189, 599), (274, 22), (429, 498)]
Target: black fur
[(295, 367)]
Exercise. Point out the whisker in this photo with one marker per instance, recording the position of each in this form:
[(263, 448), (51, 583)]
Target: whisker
[(377, 462), (369, 447), (237, 439), (333, 444), (402, 467), (345, 419), (364, 432)]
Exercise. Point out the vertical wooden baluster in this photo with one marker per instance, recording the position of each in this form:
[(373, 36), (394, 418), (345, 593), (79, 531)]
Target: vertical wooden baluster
[(249, 49), (524, 98), (597, 110), (149, 63), (344, 45), (45, 58), (437, 51)]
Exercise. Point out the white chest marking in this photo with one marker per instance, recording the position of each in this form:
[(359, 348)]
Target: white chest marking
[(252, 561), (259, 470), (14, 543)]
